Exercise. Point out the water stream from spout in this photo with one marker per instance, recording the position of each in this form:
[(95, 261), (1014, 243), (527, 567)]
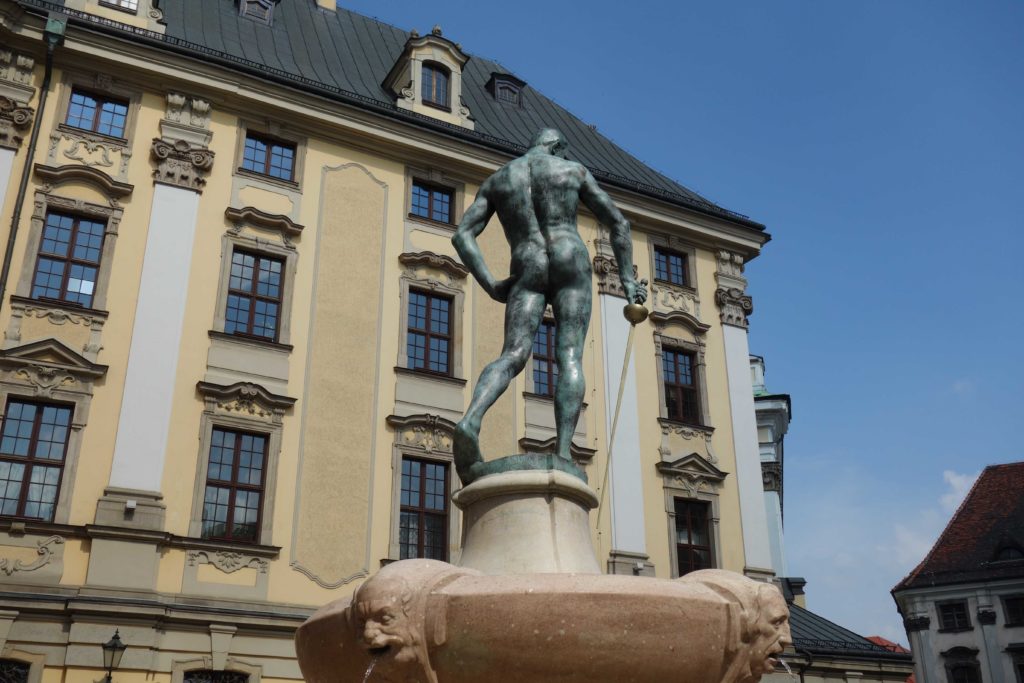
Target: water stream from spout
[(783, 662), (369, 669)]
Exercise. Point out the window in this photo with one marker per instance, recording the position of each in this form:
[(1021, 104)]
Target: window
[(545, 367), (97, 113), (1014, 610), (260, 10), (211, 676), (435, 85), (268, 157), (953, 616), (507, 92), (254, 295), (423, 528), (13, 671), (126, 5), (429, 337), (964, 673), (693, 537), (33, 444), (69, 259), (682, 401), (1009, 553), (431, 201), (670, 266), (234, 485)]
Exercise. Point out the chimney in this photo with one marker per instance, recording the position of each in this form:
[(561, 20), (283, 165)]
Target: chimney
[(331, 5)]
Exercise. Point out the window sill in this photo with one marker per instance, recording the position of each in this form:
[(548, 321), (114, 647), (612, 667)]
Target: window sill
[(964, 629), (675, 285), (281, 182), (254, 549), (430, 221), (65, 306), (250, 341), (102, 137), (447, 379), (435, 105), (668, 422)]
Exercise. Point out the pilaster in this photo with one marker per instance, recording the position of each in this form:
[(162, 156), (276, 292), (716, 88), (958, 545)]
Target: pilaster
[(734, 306)]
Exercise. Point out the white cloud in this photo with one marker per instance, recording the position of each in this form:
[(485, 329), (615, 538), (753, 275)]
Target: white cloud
[(959, 485)]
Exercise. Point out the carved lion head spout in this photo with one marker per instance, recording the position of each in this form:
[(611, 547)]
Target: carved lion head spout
[(764, 622)]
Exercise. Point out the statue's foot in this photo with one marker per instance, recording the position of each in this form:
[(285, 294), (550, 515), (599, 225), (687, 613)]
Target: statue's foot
[(466, 449)]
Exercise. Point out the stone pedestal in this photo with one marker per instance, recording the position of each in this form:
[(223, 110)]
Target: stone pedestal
[(527, 522)]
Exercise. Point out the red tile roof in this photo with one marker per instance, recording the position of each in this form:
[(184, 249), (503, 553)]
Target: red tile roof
[(990, 520), (888, 644)]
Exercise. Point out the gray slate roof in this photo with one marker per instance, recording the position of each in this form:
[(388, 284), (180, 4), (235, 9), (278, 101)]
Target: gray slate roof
[(347, 55), (818, 635)]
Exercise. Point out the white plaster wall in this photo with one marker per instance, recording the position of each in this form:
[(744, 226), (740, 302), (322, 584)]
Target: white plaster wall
[(156, 335), (625, 481), (6, 165), (773, 515), (748, 458)]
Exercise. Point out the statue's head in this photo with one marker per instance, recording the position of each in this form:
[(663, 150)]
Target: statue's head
[(551, 141), (383, 610), (764, 620)]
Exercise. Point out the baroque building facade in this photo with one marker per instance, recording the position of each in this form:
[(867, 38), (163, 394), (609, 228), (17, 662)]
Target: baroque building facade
[(237, 336)]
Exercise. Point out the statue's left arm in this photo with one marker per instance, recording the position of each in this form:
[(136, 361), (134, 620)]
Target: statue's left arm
[(598, 201)]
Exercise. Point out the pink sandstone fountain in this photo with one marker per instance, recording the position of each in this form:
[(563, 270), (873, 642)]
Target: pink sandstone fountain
[(527, 602)]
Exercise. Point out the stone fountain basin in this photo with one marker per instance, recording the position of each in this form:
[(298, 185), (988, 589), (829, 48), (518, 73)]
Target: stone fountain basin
[(432, 622)]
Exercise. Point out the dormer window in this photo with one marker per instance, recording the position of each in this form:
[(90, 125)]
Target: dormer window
[(435, 82), (130, 6), (506, 88), (257, 10)]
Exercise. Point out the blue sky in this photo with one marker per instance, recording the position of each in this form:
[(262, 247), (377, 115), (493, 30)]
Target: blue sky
[(883, 145)]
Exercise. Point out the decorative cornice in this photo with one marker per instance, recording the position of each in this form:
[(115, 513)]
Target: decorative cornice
[(14, 118), (578, 453), (57, 175), (918, 623), (429, 259), (180, 164), (15, 67), (250, 215), (735, 306), (246, 399), (692, 472), (663, 318), (48, 364), (423, 431), (986, 617)]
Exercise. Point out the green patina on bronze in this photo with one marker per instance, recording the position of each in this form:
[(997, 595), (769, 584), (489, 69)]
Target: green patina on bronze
[(536, 197)]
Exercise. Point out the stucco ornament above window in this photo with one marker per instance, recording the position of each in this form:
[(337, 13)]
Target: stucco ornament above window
[(427, 78)]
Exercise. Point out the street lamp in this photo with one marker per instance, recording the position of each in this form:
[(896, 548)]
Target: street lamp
[(113, 650)]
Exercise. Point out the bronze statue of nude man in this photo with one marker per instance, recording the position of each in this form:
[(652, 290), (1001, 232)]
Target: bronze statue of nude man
[(536, 197)]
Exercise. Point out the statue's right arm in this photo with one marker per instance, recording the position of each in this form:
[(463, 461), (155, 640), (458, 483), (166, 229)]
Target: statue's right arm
[(473, 223)]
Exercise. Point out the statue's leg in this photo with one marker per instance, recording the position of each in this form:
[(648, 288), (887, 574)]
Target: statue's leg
[(522, 317), (571, 306)]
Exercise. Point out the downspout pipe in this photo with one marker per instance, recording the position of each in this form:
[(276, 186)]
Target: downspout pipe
[(54, 36)]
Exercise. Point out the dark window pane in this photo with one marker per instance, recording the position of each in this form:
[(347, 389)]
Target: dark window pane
[(97, 113), (431, 202), (670, 267), (69, 255), (428, 339), (693, 536), (234, 490), (545, 364), (254, 295), (423, 521), (33, 441)]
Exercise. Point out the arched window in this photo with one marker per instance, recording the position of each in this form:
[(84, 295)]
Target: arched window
[(435, 85), (1009, 553)]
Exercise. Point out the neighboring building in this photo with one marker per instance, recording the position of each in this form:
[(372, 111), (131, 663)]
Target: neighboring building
[(774, 413), (963, 605), (236, 335)]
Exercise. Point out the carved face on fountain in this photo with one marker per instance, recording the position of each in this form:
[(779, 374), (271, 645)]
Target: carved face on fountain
[(770, 631), (382, 606)]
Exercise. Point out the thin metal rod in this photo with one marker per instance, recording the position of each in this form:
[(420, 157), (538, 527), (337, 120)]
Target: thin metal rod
[(615, 421)]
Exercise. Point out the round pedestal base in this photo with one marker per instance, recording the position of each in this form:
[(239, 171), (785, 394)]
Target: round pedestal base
[(527, 522)]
